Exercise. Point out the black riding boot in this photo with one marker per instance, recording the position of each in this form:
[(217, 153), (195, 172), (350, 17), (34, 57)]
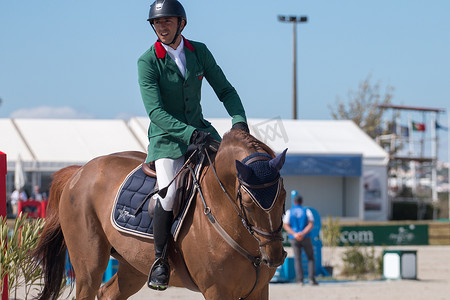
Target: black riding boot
[(158, 278)]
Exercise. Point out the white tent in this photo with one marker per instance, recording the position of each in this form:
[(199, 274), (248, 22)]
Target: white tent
[(50, 144), (334, 165)]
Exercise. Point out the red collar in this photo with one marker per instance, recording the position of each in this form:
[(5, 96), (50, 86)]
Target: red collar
[(161, 51)]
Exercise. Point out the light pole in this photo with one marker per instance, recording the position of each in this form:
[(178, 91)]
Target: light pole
[(294, 20)]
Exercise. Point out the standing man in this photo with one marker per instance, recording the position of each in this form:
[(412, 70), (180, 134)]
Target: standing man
[(171, 73), (37, 195), (298, 223)]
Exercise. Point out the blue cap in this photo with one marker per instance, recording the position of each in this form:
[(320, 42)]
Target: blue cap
[(294, 194)]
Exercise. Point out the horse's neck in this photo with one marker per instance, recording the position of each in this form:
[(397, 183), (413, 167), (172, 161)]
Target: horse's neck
[(220, 187)]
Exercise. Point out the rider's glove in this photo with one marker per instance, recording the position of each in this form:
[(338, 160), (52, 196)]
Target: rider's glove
[(242, 126), (201, 139)]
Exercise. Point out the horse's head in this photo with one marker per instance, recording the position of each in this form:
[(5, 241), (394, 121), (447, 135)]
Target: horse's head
[(260, 194), (262, 202)]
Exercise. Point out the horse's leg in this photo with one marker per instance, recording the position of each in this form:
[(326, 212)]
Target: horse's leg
[(89, 263), (88, 247), (126, 282)]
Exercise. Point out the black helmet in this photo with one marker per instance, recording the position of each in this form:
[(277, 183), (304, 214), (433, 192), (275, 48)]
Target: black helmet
[(166, 8)]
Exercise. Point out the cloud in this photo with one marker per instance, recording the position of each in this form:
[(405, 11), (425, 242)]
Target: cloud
[(126, 116), (48, 112)]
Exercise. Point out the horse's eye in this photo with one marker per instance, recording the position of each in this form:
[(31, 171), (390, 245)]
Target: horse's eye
[(248, 202)]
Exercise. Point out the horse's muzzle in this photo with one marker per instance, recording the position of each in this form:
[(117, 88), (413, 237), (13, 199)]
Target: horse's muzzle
[(277, 263)]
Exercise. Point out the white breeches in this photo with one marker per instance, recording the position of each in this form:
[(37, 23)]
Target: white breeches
[(166, 168)]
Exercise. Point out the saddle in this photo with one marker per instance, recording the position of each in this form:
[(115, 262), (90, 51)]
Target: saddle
[(149, 169), (134, 203), (184, 184)]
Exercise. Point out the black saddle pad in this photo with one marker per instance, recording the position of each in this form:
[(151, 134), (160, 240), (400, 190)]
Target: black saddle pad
[(133, 191)]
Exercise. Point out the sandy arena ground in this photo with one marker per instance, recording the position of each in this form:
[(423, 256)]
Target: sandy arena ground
[(433, 283)]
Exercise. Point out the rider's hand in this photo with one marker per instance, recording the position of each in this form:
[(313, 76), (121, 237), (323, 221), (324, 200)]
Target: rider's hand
[(201, 139), (242, 126)]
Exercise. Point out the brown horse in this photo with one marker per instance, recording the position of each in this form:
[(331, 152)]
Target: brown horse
[(228, 248)]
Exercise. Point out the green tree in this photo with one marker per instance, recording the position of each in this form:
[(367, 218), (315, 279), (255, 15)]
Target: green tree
[(362, 106)]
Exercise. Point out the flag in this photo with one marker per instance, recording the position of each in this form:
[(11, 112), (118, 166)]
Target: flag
[(439, 126), (418, 126), (404, 131), (399, 130)]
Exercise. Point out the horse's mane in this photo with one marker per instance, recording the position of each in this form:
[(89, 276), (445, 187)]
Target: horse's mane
[(246, 140)]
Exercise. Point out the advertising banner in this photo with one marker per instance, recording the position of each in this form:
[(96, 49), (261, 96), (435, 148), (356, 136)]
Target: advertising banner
[(389, 235)]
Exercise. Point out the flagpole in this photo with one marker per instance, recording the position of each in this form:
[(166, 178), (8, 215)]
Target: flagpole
[(396, 138), (422, 140), (434, 195), (412, 164), (448, 154)]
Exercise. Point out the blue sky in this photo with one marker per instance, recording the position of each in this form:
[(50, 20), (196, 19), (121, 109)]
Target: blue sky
[(78, 58)]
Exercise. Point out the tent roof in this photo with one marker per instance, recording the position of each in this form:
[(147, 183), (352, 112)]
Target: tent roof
[(53, 143), (12, 143), (318, 137)]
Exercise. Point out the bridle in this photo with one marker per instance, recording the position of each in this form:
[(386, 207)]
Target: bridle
[(242, 210), (270, 236), (242, 213)]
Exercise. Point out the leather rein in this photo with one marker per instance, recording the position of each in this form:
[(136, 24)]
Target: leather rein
[(253, 230)]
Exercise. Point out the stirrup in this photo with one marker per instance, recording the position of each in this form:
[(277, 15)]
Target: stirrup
[(155, 283)]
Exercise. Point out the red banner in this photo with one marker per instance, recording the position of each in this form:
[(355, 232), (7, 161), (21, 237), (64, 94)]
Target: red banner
[(3, 208), (2, 184)]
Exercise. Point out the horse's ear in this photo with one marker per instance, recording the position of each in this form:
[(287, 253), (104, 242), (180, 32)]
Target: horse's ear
[(244, 171), (278, 162)]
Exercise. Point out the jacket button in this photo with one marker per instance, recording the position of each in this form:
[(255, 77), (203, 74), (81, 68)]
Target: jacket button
[(188, 111), (187, 99)]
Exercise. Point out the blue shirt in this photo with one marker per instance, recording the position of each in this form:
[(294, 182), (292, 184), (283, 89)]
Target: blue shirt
[(298, 218)]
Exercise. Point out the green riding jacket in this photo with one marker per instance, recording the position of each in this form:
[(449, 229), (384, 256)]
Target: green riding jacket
[(172, 101)]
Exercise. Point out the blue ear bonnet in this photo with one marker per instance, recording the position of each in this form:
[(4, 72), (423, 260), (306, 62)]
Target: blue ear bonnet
[(261, 173)]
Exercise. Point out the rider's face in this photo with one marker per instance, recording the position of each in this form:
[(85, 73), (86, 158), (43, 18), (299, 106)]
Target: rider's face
[(166, 28)]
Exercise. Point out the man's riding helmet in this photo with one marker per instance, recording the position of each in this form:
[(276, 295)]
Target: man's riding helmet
[(167, 8)]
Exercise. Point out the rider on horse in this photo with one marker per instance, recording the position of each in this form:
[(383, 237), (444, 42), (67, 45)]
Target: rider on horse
[(170, 78)]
